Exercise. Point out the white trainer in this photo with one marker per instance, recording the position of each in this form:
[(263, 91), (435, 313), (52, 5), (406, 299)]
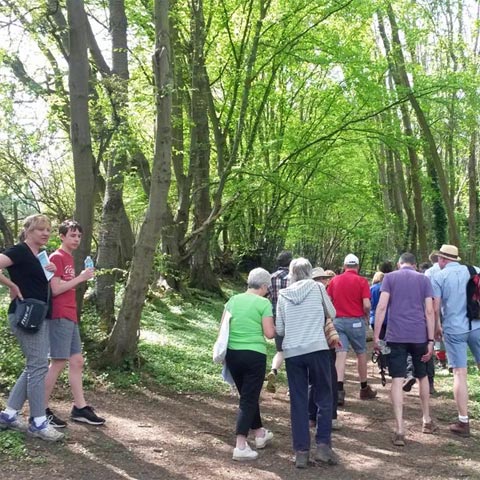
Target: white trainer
[(261, 442), (45, 431), (246, 454)]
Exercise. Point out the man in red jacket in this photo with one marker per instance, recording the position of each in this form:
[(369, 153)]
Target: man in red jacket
[(350, 294)]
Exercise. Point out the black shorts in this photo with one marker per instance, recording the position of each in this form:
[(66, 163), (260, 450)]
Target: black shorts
[(397, 359), (278, 342)]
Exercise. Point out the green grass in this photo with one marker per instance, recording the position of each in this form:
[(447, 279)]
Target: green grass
[(12, 444)]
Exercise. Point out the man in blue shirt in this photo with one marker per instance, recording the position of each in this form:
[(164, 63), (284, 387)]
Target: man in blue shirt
[(450, 292)]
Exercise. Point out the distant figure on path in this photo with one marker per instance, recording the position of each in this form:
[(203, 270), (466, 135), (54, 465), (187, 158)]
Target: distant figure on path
[(251, 321)]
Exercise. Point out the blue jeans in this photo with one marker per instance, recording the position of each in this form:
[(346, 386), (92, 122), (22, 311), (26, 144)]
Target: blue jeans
[(315, 367)]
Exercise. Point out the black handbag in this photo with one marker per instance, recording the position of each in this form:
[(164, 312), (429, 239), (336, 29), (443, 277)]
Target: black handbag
[(30, 314)]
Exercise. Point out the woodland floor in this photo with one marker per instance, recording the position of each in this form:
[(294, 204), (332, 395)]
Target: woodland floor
[(168, 436)]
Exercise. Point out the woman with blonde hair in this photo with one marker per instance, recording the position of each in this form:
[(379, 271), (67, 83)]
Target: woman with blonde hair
[(28, 280)]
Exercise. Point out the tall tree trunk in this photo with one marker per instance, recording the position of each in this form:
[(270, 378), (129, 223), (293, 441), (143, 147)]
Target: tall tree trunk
[(412, 153), (123, 341), (110, 228), (454, 236), (201, 274), (472, 200), (83, 161), (7, 234)]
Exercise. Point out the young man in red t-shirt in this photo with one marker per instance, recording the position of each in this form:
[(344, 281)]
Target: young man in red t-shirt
[(65, 343)]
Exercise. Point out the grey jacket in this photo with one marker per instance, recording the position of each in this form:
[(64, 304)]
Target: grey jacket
[(301, 311)]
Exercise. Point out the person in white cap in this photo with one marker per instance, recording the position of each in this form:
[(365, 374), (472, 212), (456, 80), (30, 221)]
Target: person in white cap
[(450, 293), (350, 294)]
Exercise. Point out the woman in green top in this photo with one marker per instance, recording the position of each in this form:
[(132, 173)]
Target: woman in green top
[(251, 321)]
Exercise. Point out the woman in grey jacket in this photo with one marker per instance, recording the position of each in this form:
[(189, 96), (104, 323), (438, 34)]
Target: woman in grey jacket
[(301, 311)]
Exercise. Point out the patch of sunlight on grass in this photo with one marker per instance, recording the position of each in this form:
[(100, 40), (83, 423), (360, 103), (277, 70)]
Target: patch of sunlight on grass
[(153, 337)]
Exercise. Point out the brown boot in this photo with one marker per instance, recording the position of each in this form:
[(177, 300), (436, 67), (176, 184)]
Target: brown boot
[(367, 393), (459, 428)]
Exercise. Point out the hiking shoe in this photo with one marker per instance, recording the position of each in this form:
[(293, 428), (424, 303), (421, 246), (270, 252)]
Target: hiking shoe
[(459, 428), (341, 398), (408, 384), (325, 454), (398, 440), (246, 454), (429, 427), (271, 379), (301, 459), (54, 421), (86, 415), (12, 423), (336, 424), (45, 431), (261, 442), (367, 393)]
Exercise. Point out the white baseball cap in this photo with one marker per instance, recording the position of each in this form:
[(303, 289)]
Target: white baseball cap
[(351, 259)]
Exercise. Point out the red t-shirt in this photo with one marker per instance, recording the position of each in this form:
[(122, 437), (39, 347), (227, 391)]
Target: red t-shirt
[(347, 292), (65, 304)]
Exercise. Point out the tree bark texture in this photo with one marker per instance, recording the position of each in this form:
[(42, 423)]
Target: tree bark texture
[(109, 248), (201, 274), (83, 161), (123, 341)]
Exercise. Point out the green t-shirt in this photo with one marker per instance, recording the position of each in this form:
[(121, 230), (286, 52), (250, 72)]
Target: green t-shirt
[(246, 332)]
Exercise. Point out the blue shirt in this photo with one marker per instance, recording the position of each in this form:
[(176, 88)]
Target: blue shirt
[(450, 284), (375, 297)]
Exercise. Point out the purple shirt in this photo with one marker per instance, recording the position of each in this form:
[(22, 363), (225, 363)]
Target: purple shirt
[(408, 290)]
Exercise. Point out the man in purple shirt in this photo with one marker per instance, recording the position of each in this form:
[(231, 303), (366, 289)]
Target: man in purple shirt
[(408, 296)]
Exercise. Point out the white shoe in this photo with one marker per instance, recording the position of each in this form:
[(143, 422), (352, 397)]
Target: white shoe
[(45, 431), (246, 454), (336, 424), (261, 442)]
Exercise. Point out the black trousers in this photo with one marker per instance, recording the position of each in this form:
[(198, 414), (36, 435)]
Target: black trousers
[(248, 371)]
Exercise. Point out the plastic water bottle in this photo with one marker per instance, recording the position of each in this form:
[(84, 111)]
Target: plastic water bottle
[(88, 263), (384, 348)]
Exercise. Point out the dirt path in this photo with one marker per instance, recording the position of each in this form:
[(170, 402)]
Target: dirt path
[(163, 436)]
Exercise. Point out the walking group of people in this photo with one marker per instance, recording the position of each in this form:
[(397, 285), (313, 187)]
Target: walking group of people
[(57, 337), (296, 304)]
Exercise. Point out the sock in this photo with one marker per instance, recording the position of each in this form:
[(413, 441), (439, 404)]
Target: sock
[(275, 371), (463, 419), (39, 420), (363, 384), (340, 386), (10, 412)]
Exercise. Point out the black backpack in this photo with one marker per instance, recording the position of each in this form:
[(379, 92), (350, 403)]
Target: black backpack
[(473, 296)]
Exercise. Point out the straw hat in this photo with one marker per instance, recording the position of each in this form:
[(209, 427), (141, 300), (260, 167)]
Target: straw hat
[(318, 272), (450, 252)]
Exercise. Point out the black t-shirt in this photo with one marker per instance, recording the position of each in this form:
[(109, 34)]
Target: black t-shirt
[(27, 272)]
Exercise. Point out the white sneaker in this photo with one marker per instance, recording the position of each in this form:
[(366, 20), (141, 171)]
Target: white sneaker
[(246, 454), (261, 442), (336, 424), (45, 431)]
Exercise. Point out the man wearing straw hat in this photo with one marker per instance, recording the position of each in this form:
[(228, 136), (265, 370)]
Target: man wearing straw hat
[(450, 292)]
